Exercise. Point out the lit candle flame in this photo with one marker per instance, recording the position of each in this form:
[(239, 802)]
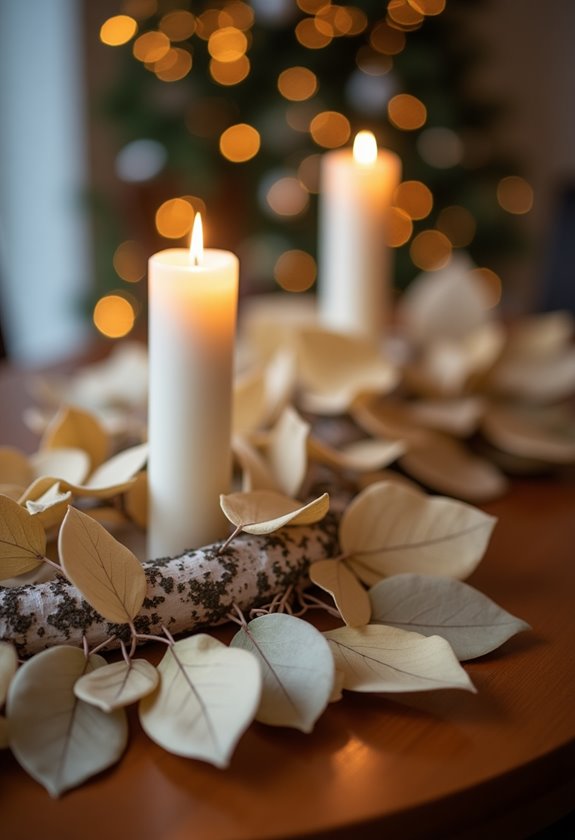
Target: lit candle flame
[(197, 241), (365, 148)]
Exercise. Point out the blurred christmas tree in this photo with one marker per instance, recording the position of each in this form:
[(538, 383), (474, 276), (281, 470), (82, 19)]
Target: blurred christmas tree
[(229, 105)]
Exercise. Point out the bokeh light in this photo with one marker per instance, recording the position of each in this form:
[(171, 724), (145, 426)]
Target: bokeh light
[(458, 224), (295, 271), (297, 83), (309, 172), (430, 250), (406, 112), (310, 36), (239, 14), (229, 73), (491, 283), (428, 8), (240, 142), (140, 9), (174, 218), (114, 316), (311, 7), (515, 195), (440, 147), (414, 198), (287, 197), (175, 65), (207, 23), (404, 13), (373, 63), (330, 129), (151, 47), (387, 40), (178, 25), (118, 30), (227, 44), (359, 20), (130, 261), (398, 228)]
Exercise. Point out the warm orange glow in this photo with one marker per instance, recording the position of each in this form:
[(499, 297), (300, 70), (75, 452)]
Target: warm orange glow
[(239, 15), (359, 20), (197, 241), (342, 21), (227, 44), (114, 316), (387, 40), (174, 218), (207, 23), (287, 197), (430, 250), (406, 112), (398, 228), (175, 65), (365, 148), (457, 224), (330, 129), (297, 83), (240, 142), (428, 7), (310, 36), (140, 9), (402, 12), (311, 6), (308, 172), (230, 73), (515, 195), (118, 30), (178, 25), (151, 46), (130, 261), (414, 198), (295, 271), (491, 283)]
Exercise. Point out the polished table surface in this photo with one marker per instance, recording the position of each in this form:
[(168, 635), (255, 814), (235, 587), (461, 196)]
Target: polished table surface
[(440, 764)]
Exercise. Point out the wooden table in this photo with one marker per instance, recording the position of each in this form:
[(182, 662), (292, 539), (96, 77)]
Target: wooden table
[(442, 764)]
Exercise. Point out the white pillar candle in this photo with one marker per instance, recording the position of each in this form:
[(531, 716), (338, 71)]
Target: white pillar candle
[(192, 321), (354, 263)]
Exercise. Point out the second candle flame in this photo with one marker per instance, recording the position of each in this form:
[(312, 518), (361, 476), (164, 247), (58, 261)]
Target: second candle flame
[(197, 241), (365, 148)]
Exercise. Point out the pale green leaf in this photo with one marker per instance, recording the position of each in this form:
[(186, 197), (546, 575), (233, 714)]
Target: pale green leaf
[(22, 540), (207, 697), (107, 574), (57, 738), (118, 684), (350, 597), (263, 511), (380, 658), (8, 666), (297, 669), (388, 529), (470, 621)]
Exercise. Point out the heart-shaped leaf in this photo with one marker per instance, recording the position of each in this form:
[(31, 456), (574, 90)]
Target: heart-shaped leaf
[(22, 540), (107, 574), (69, 464), (118, 684), (263, 511), (350, 597), (297, 669), (379, 658), (358, 456), (207, 697), (471, 622), (14, 467), (388, 529), (79, 429), (57, 738), (8, 665)]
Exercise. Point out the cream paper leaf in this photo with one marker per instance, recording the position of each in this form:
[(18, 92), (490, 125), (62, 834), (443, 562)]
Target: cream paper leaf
[(13, 491), (459, 416), (446, 465), (249, 403), (378, 476), (279, 378), (50, 508), (14, 467), (256, 473), (544, 433), (470, 621), (69, 464), (118, 684), (120, 469), (388, 529), (390, 419), (334, 368), (57, 738), (207, 697), (107, 574), (286, 451), (541, 335), (77, 428), (22, 540), (136, 500), (263, 511), (359, 456), (8, 666), (297, 669), (350, 597), (380, 658)]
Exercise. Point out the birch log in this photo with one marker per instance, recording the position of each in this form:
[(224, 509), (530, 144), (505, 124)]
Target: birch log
[(193, 590)]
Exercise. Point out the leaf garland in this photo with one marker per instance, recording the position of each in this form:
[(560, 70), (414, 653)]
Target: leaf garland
[(22, 540), (118, 684), (263, 511)]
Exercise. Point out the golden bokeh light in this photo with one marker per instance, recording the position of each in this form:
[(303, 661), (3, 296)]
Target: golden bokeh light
[(295, 271), (403, 13), (398, 228), (174, 218), (491, 283), (311, 7), (428, 7), (229, 73), (430, 250), (178, 25), (387, 40), (515, 195), (227, 44), (297, 83), (287, 197), (118, 30), (175, 65), (207, 23), (457, 224), (342, 21), (114, 316), (309, 172), (130, 261), (240, 142), (359, 20), (414, 198), (140, 9), (373, 63), (238, 14), (151, 47), (299, 116), (406, 112), (330, 129), (310, 36)]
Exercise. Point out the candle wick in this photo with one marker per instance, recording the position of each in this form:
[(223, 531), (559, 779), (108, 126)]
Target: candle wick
[(196, 261)]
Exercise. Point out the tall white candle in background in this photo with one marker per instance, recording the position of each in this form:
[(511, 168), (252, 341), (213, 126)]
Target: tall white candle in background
[(354, 263), (192, 321)]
